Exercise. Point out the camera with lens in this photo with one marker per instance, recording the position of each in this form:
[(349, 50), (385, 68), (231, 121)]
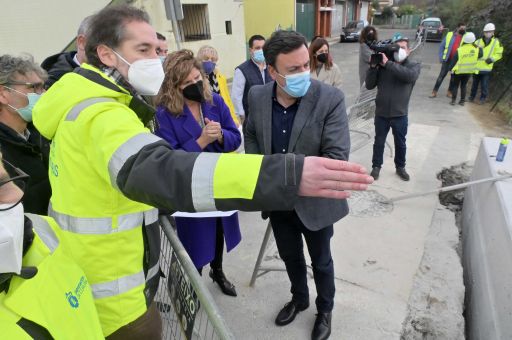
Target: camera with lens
[(386, 47)]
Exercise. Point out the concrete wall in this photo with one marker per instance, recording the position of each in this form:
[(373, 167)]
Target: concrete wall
[(264, 16), (487, 248), (42, 28)]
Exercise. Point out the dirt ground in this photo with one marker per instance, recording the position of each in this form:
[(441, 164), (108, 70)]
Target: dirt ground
[(494, 123)]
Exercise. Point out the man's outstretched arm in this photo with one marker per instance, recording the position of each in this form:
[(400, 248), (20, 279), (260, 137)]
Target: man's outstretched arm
[(165, 178)]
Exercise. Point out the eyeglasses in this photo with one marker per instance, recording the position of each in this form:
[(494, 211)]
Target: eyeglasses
[(34, 87), (20, 180)]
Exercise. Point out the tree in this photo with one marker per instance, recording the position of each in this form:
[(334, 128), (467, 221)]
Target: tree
[(376, 5), (387, 12)]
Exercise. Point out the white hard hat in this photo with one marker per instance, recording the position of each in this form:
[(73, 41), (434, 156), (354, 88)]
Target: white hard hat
[(489, 27), (469, 38)]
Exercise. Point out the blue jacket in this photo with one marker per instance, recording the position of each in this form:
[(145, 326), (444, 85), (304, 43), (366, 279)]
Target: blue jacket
[(181, 132)]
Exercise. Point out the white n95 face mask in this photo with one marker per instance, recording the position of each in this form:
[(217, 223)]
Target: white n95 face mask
[(400, 55), (11, 238), (145, 75)]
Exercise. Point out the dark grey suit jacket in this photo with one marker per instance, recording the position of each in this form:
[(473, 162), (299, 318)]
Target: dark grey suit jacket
[(320, 128)]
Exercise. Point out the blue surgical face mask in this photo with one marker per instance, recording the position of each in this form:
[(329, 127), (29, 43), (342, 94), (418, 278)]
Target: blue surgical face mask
[(258, 56), (297, 85), (26, 112), (209, 66), (162, 58)]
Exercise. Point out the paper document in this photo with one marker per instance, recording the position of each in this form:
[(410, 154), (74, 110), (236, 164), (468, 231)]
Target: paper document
[(204, 214)]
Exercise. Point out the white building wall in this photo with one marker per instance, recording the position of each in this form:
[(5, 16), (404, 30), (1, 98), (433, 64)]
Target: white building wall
[(231, 48), (42, 28)]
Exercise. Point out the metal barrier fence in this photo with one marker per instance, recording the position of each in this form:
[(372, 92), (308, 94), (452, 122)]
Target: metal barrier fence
[(186, 306)]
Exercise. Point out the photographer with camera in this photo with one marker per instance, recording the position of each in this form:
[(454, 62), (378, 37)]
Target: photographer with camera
[(367, 38), (394, 75)]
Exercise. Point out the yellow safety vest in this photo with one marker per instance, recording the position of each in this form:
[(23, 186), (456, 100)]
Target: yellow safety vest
[(115, 240), (224, 93), (447, 40), (57, 301), (467, 59), (493, 50)]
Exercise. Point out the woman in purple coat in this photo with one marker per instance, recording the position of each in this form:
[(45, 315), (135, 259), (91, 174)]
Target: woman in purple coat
[(193, 119)]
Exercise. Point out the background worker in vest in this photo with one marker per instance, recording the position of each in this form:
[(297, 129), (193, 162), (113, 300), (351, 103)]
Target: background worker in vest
[(465, 62), (492, 52), (249, 73), (43, 293), (108, 171), (447, 50)]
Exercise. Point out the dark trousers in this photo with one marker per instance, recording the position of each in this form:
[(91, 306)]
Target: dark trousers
[(288, 230), (482, 79), (445, 68), (219, 247), (462, 80), (398, 126), (148, 327)]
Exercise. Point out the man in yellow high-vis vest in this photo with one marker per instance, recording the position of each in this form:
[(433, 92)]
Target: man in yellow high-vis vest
[(492, 52), (108, 171), (447, 50), (465, 62), (43, 293)]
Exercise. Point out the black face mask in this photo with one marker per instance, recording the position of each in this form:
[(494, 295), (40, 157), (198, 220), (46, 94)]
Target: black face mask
[(194, 92), (323, 57), (370, 37), (462, 32)]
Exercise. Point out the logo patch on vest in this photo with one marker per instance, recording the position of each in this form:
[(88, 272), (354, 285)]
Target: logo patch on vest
[(74, 296)]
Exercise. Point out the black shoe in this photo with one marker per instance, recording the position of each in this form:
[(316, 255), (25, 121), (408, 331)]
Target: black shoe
[(322, 328), (289, 311), (402, 174), (471, 99), (375, 173), (461, 103), (227, 287), (452, 102)]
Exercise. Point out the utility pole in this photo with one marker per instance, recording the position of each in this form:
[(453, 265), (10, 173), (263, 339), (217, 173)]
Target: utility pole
[(174, 12)]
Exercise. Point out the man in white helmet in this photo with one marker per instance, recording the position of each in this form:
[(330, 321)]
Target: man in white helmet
[(492, 52), (465, 62)]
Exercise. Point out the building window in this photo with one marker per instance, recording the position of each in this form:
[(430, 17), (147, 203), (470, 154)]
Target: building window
[(195, 24), (229, 30)]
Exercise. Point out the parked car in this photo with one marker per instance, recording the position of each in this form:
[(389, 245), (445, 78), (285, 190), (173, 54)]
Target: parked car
[(352, 31), (432, 29)]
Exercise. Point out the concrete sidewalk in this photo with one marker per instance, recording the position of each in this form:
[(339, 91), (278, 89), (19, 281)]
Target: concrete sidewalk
[(377, 252)]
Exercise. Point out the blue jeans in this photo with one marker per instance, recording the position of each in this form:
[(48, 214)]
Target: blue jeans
[(483, 79), (398, 127), (288, 230)]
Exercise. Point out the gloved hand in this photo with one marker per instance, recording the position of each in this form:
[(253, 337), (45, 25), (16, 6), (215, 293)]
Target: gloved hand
[(488, 60)]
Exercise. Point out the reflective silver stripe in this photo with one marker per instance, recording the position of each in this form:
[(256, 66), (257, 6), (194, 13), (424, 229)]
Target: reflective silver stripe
[(75, 111), (152, 272), (150, 216), (126, 150), (202, 181), (102, 225), (44, 231), (117, 287), (491, 51)]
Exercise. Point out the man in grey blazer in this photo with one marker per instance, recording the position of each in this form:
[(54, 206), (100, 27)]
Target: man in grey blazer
[(295, 114)]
